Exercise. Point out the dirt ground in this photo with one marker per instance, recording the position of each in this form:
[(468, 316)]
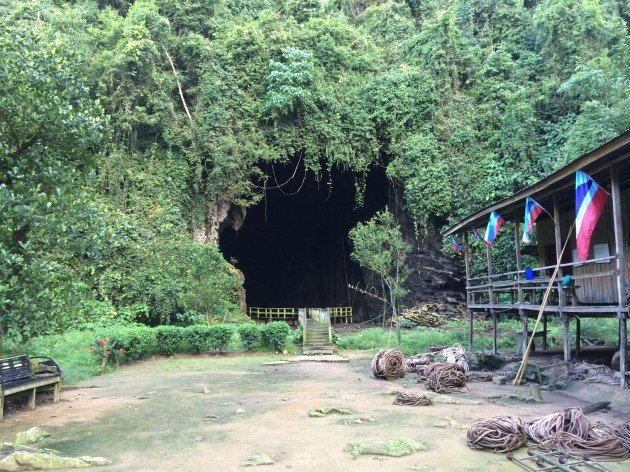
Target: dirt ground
[(155, 416)]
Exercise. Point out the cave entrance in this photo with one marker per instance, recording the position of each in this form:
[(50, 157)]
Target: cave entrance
[(293, 247)]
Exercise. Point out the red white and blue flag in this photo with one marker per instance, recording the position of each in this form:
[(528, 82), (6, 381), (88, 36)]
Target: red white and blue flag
[(457, 245), (494, 224), (533, 209), (590, 199)]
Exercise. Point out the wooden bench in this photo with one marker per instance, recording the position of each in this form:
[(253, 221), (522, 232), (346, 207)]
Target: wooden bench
[(16, 375)]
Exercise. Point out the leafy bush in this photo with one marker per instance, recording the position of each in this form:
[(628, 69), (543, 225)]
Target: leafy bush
[(121, 345), (170, 339), (275, 334), (197, 337), (219, 337), (250, 335)]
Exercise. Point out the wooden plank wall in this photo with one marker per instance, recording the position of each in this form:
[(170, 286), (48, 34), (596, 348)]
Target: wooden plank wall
[(596, 289)]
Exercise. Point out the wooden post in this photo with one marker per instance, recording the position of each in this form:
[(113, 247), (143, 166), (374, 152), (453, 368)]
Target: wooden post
[(566, 337), (566, 320), (467, 256), (491, 301), (31, 398), (578, 335), (57, 392), (623, 347), (620, 264), (545, 332), (558, 238), (519, 285)]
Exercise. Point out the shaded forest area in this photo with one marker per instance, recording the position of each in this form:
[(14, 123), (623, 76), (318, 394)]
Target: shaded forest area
[(133, 132)]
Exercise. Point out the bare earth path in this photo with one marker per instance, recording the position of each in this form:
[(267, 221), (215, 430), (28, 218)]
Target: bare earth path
[(155, 416)]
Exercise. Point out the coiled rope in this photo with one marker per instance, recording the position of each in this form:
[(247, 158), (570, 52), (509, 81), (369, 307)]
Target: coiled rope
[(607, 448), (389, 364), (413, 399), (567, 430), (445, 378), (498, 434), (568, 420)]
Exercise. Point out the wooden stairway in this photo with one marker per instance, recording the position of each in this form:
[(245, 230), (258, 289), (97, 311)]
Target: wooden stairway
[(317, 338)]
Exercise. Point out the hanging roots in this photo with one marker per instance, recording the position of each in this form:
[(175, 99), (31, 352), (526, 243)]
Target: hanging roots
[(389, 364), (498, 434), (607, 448), (569, 420), (413, 399), (446, 378)]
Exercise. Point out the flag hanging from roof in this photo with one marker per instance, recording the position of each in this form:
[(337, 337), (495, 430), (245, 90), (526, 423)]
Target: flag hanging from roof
[(494, 224), (457, 245), (590, 199), (533, 209), (476, 234)]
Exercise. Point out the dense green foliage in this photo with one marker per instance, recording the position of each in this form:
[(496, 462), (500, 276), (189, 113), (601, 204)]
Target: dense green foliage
[(106, 177), (378, 245), (86, 353), (418, 339)]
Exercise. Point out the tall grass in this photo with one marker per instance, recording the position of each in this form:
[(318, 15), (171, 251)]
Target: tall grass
[(417, 340)]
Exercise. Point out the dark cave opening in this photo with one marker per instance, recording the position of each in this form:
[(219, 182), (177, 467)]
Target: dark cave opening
[(293, 247)]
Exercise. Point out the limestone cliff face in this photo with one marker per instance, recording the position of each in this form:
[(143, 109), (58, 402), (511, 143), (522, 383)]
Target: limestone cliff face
[(218, 215)]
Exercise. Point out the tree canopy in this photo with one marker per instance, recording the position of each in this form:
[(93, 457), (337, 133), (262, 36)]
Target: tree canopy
[(462, 101)]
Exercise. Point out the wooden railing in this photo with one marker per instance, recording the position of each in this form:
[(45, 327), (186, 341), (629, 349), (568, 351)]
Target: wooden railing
[(513, 289), (341, 314), (273, 314), (336, 314)]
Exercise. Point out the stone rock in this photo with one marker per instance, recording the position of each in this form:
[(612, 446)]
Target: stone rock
[(396, 447), (499, 379), (47, 460), (259, 459), (325, 411), (240, 411), (32, 436)]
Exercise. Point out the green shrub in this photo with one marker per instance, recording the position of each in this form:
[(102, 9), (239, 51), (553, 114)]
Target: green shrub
[(250, 335), (170, 339), (275, 334), (121, 345), (219, 337), (197, 337), (297, 335)]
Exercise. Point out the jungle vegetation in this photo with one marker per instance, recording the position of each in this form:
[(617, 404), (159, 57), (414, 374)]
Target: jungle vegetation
[(121, 120)]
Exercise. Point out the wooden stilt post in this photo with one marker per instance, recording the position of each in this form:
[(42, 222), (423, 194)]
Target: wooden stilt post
[(566, 337), (545, 345), (519, 285), (491, 301), (467, 256), (620, 263), (578, 335), (566, 341), (623, 348)]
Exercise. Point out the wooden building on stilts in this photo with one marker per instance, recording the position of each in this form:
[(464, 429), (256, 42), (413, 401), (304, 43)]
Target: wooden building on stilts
[(597, 288)]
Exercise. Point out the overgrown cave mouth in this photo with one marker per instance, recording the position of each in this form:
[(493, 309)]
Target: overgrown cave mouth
[(293, 247)]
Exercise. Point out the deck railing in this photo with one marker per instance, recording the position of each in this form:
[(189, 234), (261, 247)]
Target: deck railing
[(337, 314), (512, 289)]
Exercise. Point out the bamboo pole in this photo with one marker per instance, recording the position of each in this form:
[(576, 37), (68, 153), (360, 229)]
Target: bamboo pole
[(521, 370)]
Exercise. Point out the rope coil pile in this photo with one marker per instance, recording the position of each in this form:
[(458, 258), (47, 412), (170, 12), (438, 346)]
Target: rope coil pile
[(620, 430), (568, 420), (413, 399), (497, 434), (567, 430), (445, 378), (607, 448), (389, 364), (414, 362)]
